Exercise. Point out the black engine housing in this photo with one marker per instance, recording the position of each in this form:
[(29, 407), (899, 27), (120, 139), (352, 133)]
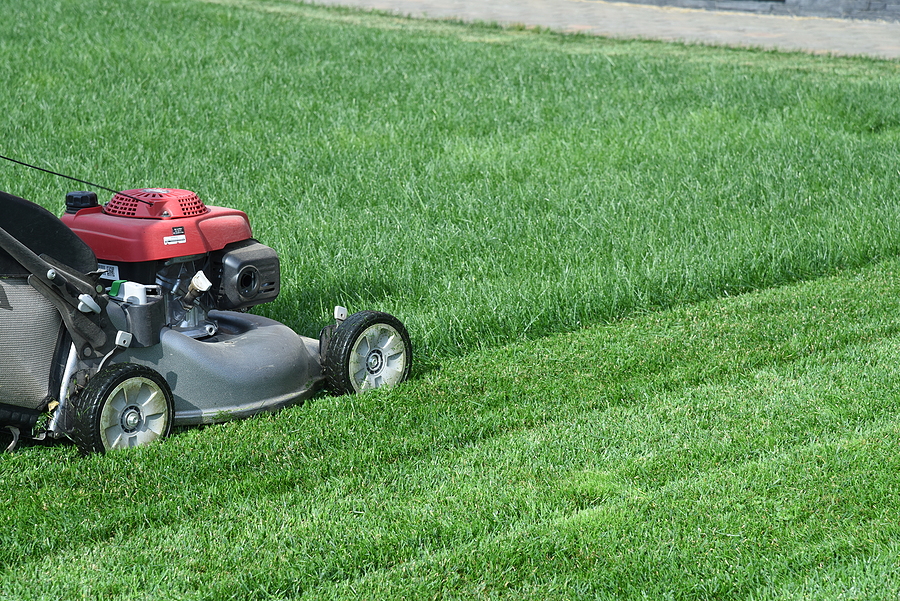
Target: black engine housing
[(244, 274)]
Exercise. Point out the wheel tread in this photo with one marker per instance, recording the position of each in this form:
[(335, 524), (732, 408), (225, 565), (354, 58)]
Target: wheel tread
[(338, 354), (87, 406)]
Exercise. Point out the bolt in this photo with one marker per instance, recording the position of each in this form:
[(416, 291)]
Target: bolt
[(132, 419)]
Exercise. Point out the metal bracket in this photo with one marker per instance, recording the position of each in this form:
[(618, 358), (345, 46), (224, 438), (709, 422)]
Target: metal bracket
[(340, 314), (15, 439)]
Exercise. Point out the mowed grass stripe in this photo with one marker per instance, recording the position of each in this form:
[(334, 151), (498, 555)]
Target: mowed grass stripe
[(733, 448), (797, 525)]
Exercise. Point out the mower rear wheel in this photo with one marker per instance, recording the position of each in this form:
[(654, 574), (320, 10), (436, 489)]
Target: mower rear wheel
[(370, 349), (124, 405)]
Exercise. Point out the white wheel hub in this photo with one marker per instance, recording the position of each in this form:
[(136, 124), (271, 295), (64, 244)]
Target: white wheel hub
[(378, 358), (135, 413)]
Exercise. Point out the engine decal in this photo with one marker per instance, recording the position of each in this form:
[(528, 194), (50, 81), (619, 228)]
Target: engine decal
[(112, 271), (180, 239)]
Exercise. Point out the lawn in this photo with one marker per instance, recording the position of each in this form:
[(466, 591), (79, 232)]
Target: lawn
[(483, 185), (739, 448), (650, 286)]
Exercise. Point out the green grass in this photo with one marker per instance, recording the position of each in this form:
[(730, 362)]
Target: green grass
[(743, 448), (484, 185), (557, 219)]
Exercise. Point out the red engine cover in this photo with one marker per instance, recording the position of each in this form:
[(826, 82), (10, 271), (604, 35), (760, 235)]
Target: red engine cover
[(164, 223)]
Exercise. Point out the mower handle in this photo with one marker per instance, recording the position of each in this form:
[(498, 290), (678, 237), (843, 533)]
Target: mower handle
[(71, 293)]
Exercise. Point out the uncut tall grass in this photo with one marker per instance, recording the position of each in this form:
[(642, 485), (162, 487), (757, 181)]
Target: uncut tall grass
[(483, 185)]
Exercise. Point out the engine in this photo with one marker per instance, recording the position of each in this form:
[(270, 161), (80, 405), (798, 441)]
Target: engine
[(169, 259)]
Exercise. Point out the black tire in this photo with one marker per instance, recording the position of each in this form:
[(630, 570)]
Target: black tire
[(124, 405), (19, 417), (368, 350)]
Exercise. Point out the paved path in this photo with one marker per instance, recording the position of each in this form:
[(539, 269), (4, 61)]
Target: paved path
[(622, 20)]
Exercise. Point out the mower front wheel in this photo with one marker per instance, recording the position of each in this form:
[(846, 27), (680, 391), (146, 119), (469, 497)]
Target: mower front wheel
[(369, 349), (123, 405)]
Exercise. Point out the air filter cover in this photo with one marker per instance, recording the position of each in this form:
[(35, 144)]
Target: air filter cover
[(155, 203)]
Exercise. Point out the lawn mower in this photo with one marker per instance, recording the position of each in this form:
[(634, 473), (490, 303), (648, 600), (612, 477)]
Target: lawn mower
[(120, 321)]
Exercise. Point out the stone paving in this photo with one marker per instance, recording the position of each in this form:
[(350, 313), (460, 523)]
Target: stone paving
[(879, 39)]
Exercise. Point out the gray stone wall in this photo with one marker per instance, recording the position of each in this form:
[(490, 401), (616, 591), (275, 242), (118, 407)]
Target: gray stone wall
[(847, 9)]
